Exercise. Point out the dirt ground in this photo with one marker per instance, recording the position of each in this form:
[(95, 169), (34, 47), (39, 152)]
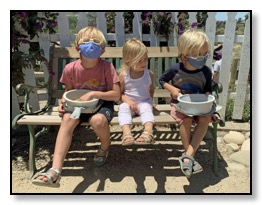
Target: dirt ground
[(133, 169)]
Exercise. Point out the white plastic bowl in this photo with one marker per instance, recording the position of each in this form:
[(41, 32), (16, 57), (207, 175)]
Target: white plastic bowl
[(71, 99), (196, 104)]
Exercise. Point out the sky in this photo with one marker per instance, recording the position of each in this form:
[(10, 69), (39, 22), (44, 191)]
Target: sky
[(222, 16)]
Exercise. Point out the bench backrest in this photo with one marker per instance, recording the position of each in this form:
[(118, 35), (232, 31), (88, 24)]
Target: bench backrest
[(160, 59)]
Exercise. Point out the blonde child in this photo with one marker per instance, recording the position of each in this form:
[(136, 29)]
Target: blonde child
[(136, 84), (191, 75), (92, 73)]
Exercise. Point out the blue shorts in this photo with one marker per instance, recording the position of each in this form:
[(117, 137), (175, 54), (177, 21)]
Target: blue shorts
[(106, 109)]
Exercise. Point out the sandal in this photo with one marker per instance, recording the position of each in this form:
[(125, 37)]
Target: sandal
[(186, 167), (127, 139), (51, 182), (100, 160), (197, 168), (147, 137)]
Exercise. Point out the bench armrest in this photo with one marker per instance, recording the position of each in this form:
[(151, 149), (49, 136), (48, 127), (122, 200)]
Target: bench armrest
[(24, 89)]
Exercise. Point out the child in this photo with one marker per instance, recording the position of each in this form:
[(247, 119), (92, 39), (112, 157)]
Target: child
[(190, 76), (217, 65), (136, 84), (91, 73)]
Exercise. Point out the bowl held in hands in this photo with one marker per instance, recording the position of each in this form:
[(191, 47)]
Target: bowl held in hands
[(196, 104), (72, 103)]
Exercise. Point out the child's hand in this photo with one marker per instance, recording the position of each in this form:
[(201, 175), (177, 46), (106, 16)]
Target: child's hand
[(61, 110), (175, 92), (86, 97), (133, 107)]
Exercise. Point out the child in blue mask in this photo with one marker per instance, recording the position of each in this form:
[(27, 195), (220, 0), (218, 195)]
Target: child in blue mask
[(191, 75), (91, 73)]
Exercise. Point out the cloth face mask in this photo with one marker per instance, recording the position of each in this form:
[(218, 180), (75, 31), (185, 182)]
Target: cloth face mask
[(196, 64), (90, 50)]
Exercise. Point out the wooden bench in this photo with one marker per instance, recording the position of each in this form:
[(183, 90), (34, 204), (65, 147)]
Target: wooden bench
[(160, 59)]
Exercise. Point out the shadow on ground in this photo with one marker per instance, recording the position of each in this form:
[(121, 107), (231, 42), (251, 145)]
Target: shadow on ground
[(138, 161)]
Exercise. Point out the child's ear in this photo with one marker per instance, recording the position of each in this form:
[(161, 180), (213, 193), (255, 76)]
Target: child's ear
[(102, 51), (77, 48), (183, 57)]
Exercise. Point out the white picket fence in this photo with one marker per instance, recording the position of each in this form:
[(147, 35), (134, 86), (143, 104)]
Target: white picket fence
[(65, 38)]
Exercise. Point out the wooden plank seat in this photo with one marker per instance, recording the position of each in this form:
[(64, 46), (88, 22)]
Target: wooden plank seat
[(161, 59)]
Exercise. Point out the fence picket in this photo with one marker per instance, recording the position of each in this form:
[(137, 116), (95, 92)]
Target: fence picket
[(242, 75)]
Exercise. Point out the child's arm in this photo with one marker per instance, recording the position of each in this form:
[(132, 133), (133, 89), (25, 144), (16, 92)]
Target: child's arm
[(152, 85), (111, 95), (123, 97), (167, 76), (61, 111), (175, 92)]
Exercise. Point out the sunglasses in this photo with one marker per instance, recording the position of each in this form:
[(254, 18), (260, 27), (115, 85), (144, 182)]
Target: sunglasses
[(200, 58), (86, 40)]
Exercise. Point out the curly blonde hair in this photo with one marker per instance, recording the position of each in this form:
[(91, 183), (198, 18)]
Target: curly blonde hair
[(191, 41)]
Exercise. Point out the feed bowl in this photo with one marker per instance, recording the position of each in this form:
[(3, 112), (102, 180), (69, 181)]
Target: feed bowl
[(71, 99), (196, 104)]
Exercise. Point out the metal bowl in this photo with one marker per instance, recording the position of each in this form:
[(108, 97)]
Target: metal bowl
[(196, 104)]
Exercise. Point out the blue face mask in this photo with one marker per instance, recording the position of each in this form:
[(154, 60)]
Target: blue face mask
[(196, 63), (90, 50)]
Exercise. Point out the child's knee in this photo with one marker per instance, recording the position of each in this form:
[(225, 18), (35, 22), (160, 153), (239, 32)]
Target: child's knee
[(98, 121)]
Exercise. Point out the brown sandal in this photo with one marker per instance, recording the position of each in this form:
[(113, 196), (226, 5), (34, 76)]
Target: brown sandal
[(147, 137), (127, 139)]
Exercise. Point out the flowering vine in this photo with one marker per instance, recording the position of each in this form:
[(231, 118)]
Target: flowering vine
[(32, 24)]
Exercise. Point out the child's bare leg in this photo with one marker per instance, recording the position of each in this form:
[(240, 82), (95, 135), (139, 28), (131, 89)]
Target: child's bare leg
[(198, 135), (101, 127), (63, 142), (185, 132)]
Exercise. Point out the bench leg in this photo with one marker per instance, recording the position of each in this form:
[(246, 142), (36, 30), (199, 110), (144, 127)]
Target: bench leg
[(31, 164), (215, 148), (32, 152)]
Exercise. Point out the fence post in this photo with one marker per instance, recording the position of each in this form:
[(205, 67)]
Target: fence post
[(244, 67), (226, 60), (63, 27)]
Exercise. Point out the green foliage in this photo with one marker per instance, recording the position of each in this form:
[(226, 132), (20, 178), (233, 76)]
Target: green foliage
[(24, 27), (230, 107), (72, 23), (162, 24)]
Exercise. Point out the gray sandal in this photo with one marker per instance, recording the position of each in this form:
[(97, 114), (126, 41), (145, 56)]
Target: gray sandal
[(197, 168), (50, 182), (186, 167), (100, 160)]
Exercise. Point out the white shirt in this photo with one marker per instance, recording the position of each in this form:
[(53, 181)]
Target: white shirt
[(216, 68)]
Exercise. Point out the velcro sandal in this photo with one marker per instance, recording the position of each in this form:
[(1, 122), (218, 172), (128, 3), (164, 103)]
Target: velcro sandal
[(50, 178), (186, 167), (100, 160)]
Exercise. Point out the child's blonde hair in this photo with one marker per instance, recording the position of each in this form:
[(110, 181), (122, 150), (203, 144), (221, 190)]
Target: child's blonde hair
[(191, 41), (133, 50), (87, 31)]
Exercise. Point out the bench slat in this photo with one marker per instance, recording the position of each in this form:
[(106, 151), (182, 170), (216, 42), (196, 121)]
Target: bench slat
[(56, 120)]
